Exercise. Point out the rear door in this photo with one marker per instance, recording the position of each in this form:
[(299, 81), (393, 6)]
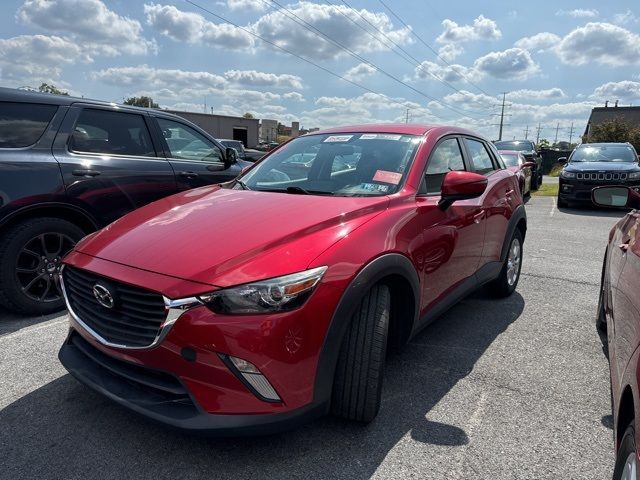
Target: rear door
[(450, 240), (499, 199), (196, 159), (109, 163)]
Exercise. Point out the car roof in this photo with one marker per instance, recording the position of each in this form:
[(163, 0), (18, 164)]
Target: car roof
[(398, 128), (29, 96), (510, 152), (604, 144)]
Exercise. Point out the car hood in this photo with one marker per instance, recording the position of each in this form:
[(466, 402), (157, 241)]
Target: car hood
[(226, 237), (602, 166)]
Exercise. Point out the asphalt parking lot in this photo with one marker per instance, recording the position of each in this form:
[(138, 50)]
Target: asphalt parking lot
[(511, 389)]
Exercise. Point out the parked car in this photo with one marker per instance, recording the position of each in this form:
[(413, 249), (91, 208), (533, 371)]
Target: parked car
[(516, 162), (528, 149), (246, 154), (69, 166), (597, 164), (260, 304), (618, 321)]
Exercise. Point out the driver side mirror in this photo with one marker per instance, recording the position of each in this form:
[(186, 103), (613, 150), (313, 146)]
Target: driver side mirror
[(461, 186), (231, 156), (562, 160), (529, 165), (615, 197)]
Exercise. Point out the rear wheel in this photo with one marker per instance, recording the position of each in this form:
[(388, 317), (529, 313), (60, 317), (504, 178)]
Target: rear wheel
[(357, 385), (534, 181), (507, 281), (31, 255), (626, 460)]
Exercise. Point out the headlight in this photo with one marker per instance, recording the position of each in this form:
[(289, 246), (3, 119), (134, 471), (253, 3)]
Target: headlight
[(566, 174), (267, 296), (634, 175)]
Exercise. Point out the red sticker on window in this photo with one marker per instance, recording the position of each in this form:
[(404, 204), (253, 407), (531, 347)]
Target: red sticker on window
[(387, 177)]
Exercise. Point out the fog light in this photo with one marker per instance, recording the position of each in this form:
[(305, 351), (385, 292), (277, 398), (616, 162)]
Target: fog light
[(253, 379)]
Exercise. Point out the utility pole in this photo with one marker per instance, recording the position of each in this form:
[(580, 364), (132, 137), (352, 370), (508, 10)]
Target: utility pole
[(571, 133), (406, 118), (504, 94), (557, 128), (526, 133), (538, 133)]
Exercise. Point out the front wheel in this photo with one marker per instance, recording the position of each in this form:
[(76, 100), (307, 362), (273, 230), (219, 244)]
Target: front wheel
[(31, 255), (626, 460), (562, 203), (535, 184), (507, 281), (357, 385)]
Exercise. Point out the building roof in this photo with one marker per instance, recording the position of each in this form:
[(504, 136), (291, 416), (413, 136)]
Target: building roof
[(603, 114)]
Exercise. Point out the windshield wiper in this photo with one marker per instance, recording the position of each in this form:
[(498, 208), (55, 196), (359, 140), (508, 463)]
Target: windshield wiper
[(242, 184), (296, 191)]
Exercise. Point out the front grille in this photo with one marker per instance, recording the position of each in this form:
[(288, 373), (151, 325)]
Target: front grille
[(601, 176), (135, 319)]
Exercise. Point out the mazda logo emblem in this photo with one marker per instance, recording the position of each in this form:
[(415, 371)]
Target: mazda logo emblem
[(103, 296)]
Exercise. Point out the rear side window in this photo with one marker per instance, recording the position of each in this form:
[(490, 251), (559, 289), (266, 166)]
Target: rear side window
[(479, 156), (22, 124), (111, 133)]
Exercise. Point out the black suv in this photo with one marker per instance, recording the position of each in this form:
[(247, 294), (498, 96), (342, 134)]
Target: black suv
[(595, 164), (528, 149), (69, 166)]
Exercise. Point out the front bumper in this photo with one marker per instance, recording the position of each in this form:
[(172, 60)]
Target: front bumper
[(577, 191)]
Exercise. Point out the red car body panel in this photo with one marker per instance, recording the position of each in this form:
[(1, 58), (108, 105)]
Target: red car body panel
[(198, 241)]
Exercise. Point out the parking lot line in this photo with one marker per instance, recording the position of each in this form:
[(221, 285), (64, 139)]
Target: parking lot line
[(29, 330)]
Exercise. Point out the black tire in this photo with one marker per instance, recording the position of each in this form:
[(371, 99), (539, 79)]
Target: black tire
[(626, 450), (505, 284), (535, 184), (357, 384), (20, 269), (562, 203)]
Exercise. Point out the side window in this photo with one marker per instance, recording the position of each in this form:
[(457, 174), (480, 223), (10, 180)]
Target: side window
[(185, 143), (479, 156), (111, 133), (445, 158), (22, 124), (497, 157)]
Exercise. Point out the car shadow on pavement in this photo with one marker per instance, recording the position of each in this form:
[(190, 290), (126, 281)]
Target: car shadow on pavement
[(12, 322), (64, 430), (594, 212)]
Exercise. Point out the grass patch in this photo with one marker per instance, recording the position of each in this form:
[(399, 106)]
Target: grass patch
[(547, 190), (556, 169)]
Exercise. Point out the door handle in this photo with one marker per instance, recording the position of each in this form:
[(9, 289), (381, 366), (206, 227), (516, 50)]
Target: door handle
[(478, 216), (82, 172), (509, 192), (188, 174)]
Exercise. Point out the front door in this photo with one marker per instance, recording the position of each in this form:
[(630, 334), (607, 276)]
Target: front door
[(109, 163)]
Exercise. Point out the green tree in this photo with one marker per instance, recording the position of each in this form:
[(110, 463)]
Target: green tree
[(142, 101), (544, 143), (46, 88), (614, 130), (248, 115)]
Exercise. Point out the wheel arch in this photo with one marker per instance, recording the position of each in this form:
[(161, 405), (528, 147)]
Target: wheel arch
[(79, 217), (518, 221), (626, 413), (398, 273)]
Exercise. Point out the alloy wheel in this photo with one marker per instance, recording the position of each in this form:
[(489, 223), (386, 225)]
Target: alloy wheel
[(630, 467), (513, 261)]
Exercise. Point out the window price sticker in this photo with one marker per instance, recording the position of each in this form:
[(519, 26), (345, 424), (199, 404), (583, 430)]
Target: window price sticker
[(338, 138), (387, 177), (380, 136)]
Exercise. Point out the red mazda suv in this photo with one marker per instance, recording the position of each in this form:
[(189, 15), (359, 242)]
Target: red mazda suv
[(253, 306), (618, 322)]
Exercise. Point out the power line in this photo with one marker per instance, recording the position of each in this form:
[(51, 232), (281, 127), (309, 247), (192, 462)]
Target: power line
[(324, 69), (295, 18), (502, 115), (464, 77)]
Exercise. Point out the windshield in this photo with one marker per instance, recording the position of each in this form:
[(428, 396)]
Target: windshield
[(603, 153), (517, 145), (510, 160), (353, 164)]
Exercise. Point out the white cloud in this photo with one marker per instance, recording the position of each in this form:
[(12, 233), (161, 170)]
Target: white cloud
[(625, 18), (513, 63), (625, 91), (257, 5), (537, 94), (88, 23), (33, 59), (295, 96), (578, 13), (450, 51), (451, 73), (482, 29), (332, 20), (252, 77), (360, 72), (194, 28), (602, 43), (538, 42)]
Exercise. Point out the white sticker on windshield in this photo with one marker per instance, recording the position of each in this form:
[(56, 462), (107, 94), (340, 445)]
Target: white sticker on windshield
[(379, 136), (338, 138)]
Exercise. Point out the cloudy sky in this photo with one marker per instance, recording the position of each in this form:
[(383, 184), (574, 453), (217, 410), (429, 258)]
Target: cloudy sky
[(337, 62)]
